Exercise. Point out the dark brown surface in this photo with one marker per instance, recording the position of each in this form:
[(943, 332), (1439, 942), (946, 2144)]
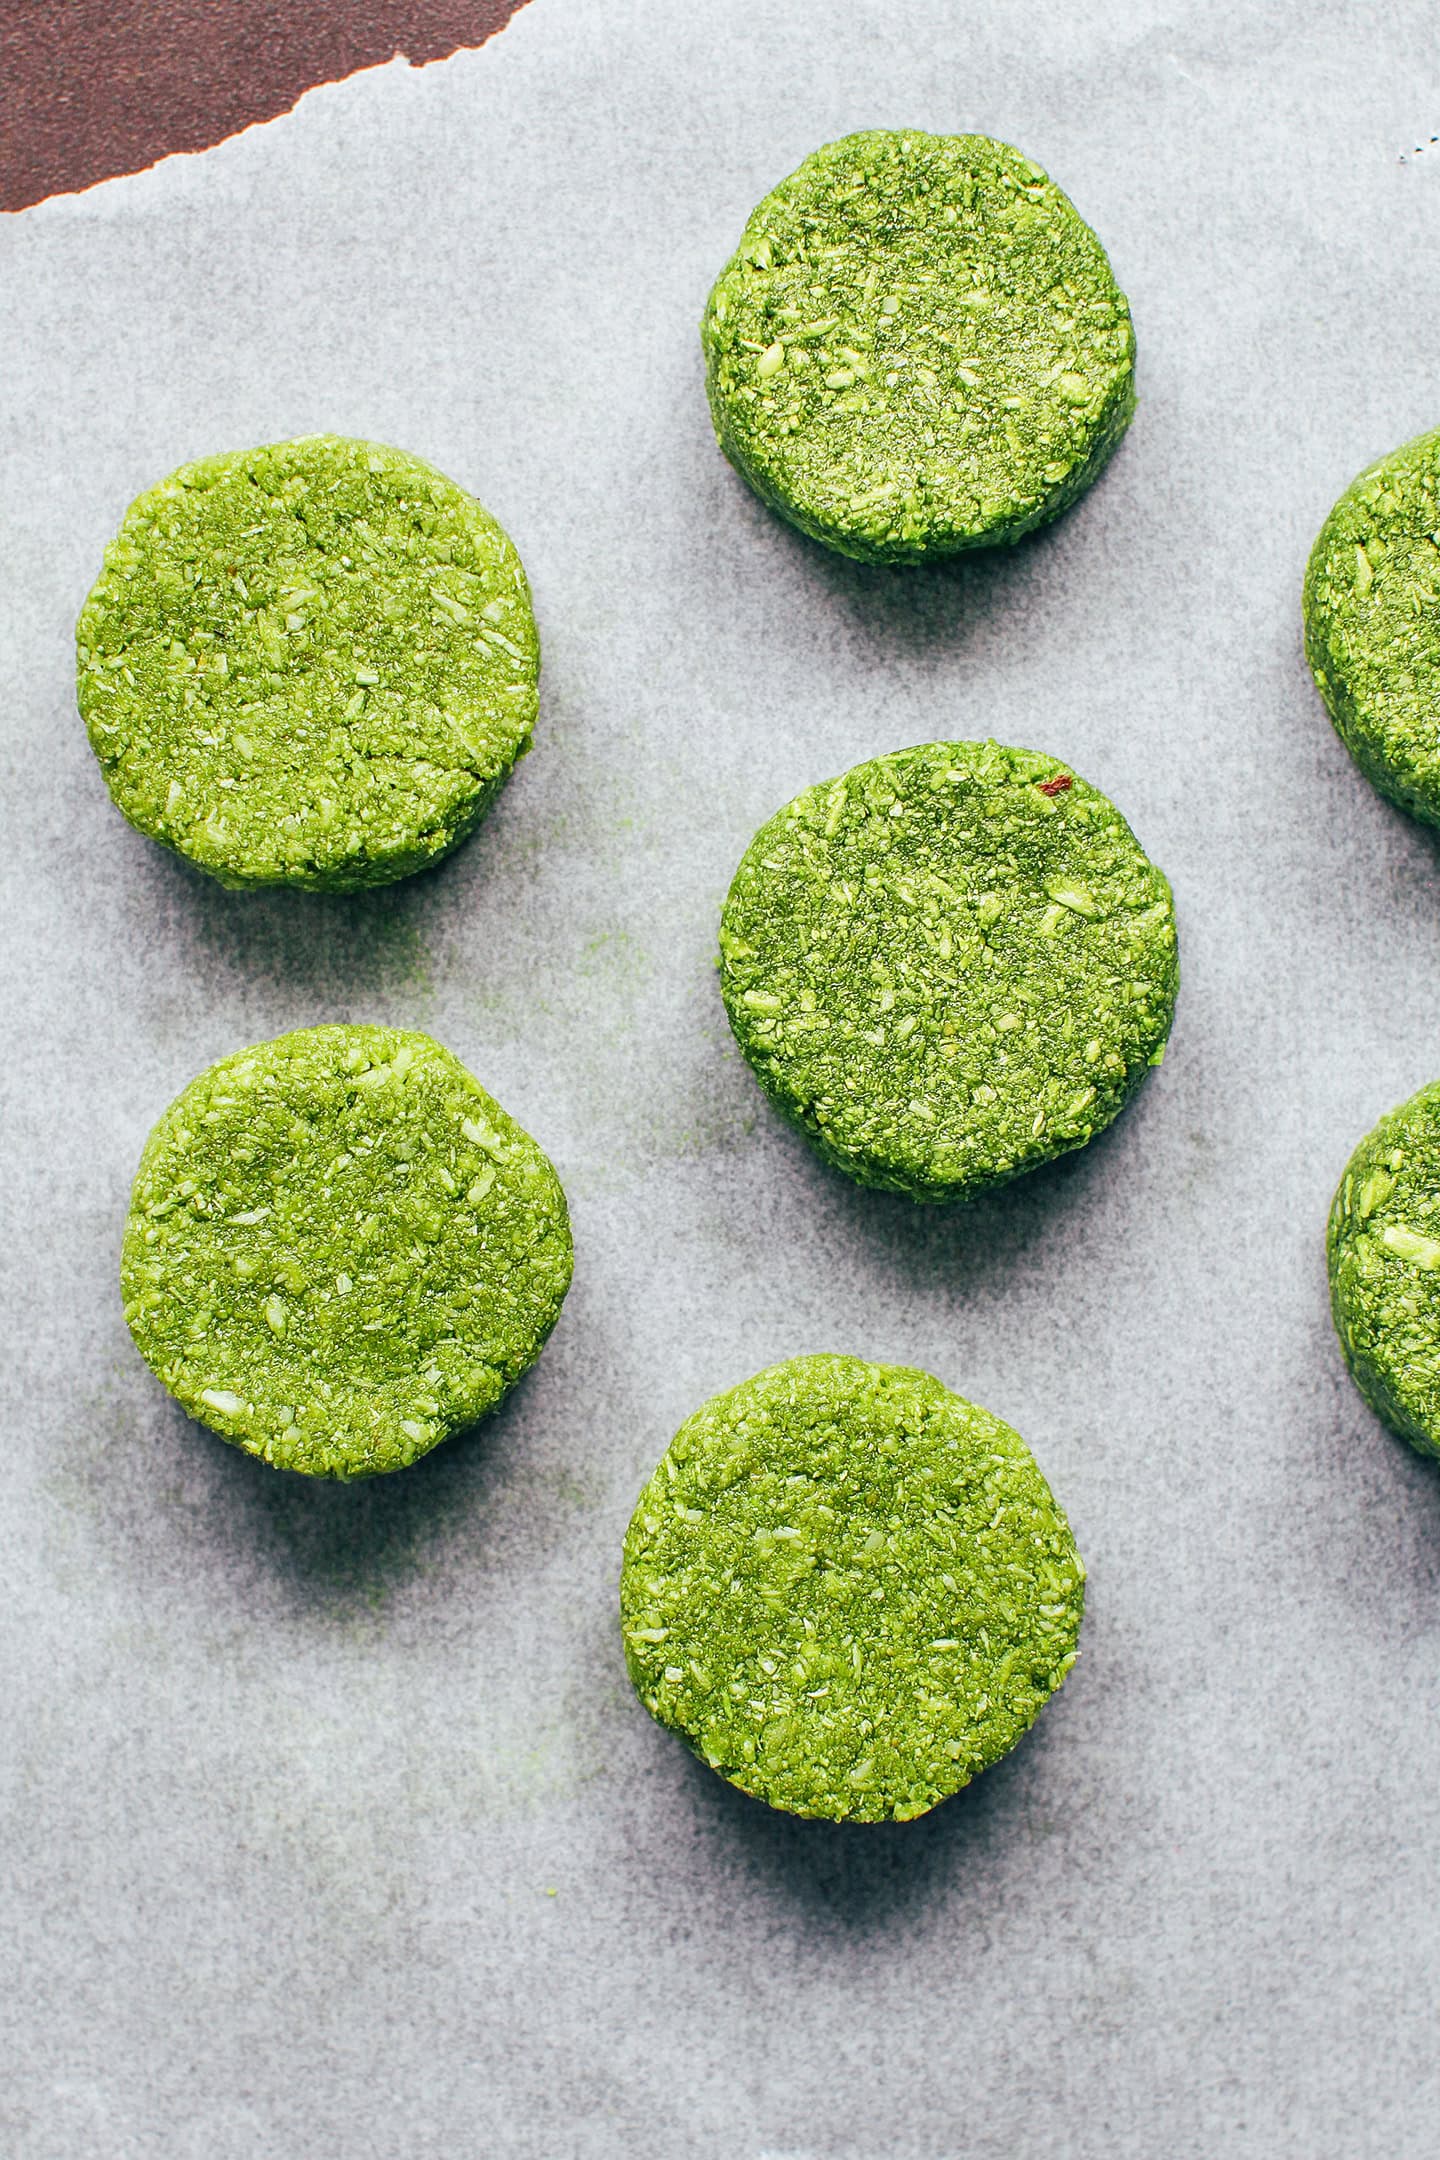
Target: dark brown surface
[(94, 87)]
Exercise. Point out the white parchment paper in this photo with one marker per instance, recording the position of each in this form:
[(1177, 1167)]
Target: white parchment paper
[(331, 1826)]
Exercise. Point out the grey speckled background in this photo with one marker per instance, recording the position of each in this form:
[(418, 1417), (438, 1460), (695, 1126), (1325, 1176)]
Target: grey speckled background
[(330, 1826)]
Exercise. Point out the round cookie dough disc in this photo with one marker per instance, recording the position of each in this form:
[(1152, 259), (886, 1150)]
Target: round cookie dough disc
[(949, 965), (918, 347), (1372, 623), (848, 1589), (308, 664), (340, 1250), (1383, 1248)]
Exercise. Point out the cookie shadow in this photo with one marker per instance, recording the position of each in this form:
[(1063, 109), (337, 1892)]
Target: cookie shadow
[(970, 1247), (1411, 857), (1371, 1521), (334, 1544), (858, 1879), (913, 612), (342, 956), (317, 1549)]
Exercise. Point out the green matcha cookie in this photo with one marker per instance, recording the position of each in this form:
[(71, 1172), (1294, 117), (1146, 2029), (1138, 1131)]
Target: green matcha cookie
[(848, 1589), (918, 347), (309, 664), (949, 965), (1384, 1252), (340, 1249), (1372, 623)]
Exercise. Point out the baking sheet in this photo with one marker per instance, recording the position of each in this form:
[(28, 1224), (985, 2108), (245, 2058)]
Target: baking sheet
[(331, 1826)]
